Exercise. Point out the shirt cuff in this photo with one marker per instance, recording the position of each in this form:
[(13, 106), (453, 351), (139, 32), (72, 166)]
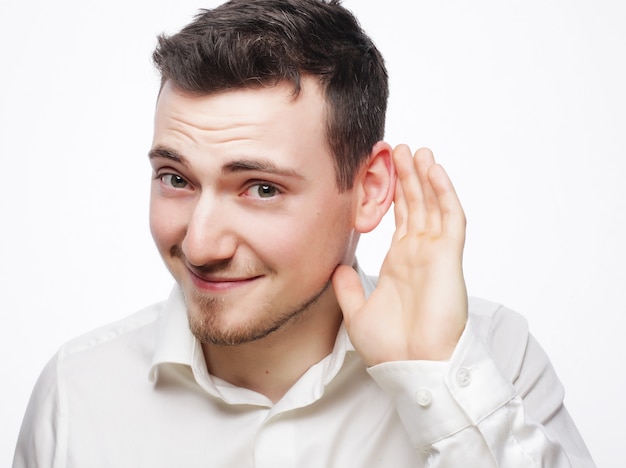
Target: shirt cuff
[(438, 399)]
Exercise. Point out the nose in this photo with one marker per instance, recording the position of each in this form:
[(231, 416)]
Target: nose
[(210, 234)]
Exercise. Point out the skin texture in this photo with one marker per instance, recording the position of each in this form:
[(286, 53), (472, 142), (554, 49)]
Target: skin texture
[(247, 216)]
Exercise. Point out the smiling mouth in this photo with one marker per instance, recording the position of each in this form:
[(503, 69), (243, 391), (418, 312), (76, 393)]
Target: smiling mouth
[(220, 283)]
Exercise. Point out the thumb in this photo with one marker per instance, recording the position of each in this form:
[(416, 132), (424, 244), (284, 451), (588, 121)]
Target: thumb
[(348, 290)]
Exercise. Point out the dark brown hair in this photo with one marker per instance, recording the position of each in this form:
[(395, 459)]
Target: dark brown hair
[(249, 43)]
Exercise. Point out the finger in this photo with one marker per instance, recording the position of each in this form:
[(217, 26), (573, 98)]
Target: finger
[(413, 198), (452, 214), (400, 211), (349, 291), (424, 160), (399, 201)]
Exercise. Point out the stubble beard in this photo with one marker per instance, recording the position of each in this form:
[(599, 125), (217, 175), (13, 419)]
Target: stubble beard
[(207, 314), (207, 319)]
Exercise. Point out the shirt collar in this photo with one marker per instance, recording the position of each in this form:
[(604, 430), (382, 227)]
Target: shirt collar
[(174, 343)]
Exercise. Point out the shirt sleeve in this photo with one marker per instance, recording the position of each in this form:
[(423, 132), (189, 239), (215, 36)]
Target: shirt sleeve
[(496, 403), (40, 443)]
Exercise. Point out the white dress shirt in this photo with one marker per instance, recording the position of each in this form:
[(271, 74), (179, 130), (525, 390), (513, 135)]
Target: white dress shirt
[(137, 393)]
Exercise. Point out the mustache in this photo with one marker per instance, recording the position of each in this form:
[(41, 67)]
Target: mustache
[(220, 266)]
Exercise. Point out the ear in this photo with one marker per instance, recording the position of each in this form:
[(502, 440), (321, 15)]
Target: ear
[(375, 187)]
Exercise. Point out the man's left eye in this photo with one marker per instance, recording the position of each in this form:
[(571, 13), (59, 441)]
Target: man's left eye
[(262, 190)]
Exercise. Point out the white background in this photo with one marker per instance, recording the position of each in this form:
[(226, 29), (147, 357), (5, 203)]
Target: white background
[(523, 102)]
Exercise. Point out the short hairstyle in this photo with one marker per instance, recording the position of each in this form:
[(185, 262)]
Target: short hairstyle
[(251, 43)]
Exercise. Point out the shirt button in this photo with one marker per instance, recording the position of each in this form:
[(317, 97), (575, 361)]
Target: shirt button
[(463, 377), (423, 397)]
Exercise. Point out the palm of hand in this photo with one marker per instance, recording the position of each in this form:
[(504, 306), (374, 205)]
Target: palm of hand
[(419, 307)]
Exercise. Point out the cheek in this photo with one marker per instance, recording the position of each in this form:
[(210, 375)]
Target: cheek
[(303, 242), (165, 229)]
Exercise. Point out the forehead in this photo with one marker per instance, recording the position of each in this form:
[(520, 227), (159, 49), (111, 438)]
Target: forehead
[(263, 114), (257, 127)]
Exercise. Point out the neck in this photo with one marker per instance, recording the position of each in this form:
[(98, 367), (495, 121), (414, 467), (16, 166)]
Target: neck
[(272, 365)]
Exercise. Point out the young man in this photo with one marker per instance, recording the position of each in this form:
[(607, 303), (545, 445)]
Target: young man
[(274, 349)]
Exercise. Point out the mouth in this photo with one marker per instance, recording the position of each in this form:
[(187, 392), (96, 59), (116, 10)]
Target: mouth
[(220, 283)]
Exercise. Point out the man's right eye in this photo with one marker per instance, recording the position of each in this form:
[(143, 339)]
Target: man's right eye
[(174, 181)]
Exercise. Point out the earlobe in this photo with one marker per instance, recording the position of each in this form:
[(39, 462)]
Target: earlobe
[(375, 188)]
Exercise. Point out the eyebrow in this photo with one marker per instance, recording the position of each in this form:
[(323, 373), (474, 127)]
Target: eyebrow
[(259, 165), (162, 152), (231, 167)]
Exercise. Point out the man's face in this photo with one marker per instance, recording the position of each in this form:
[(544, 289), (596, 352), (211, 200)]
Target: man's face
[(244, 207)]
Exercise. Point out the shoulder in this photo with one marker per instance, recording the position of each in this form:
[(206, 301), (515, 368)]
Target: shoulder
[(503, 331), (488, 318), (95, 362), (85, 374), (112, 341)]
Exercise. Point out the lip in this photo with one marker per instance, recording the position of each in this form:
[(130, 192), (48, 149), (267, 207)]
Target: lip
[(220, 284)]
